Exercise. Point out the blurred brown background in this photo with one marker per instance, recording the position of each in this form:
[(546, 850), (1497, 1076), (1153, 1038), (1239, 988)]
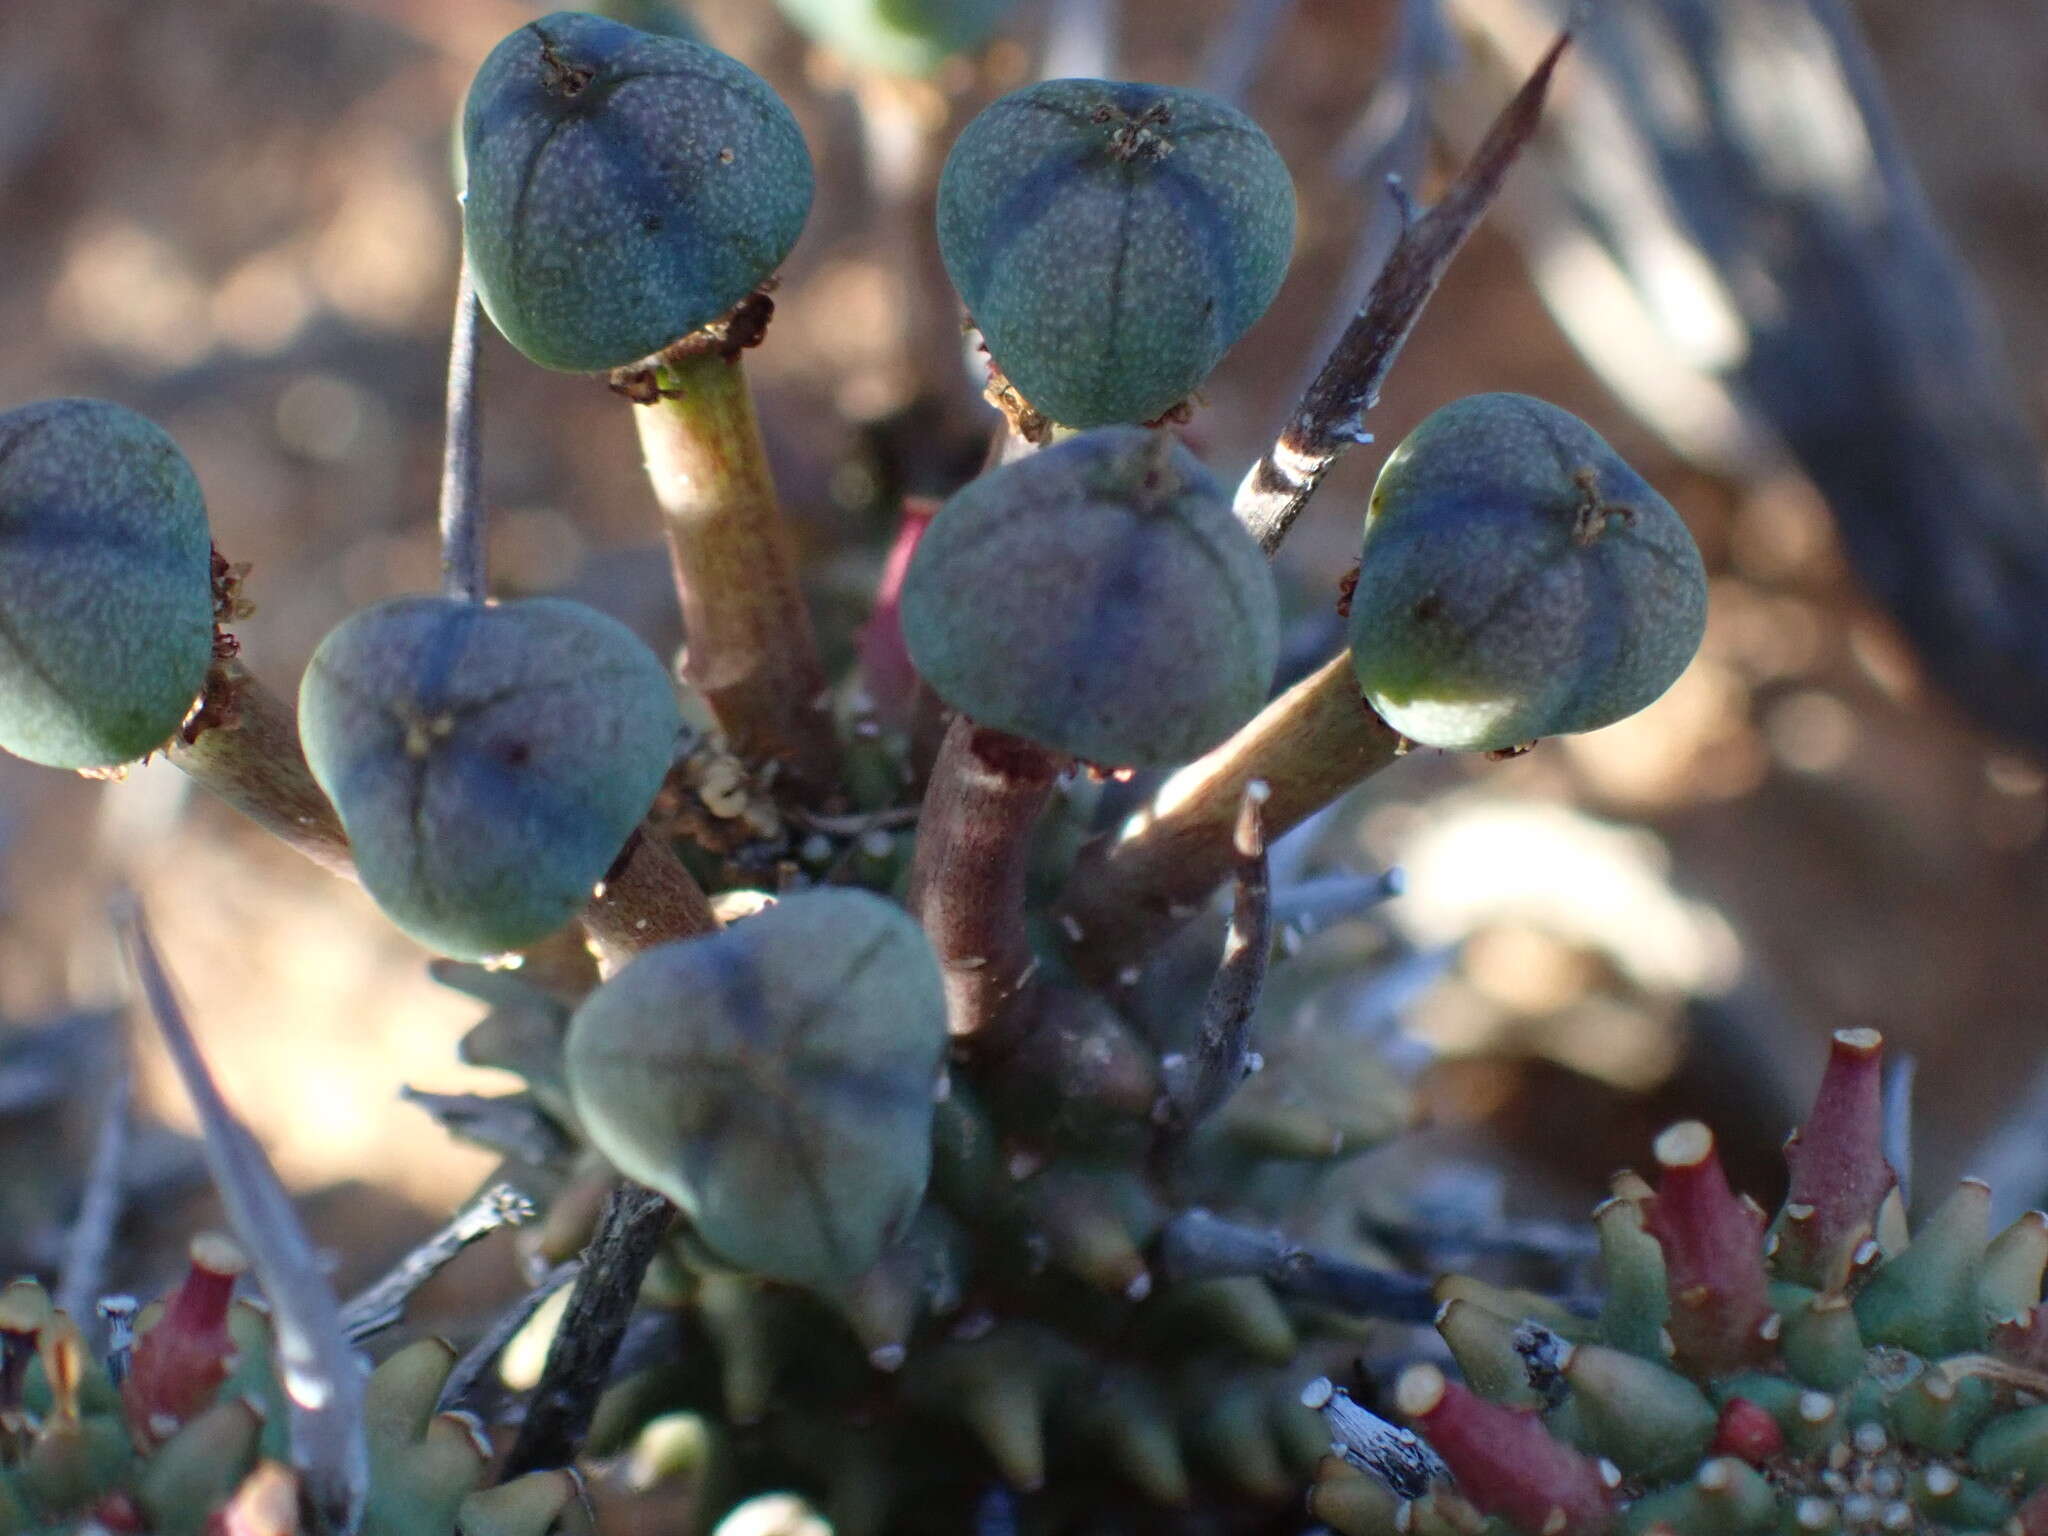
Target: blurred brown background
[(238, 219)]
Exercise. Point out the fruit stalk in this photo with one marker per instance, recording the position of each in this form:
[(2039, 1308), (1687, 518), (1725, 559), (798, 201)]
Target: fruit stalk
[(1131, 889), (646, 898), (243, 745), (464, 541), (967, 879), (750, 648)]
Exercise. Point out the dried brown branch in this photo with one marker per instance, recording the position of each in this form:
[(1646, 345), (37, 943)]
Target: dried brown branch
[(1132, 888), (90, 1240), (967, 880), (1330, 416), (1200, 1245), (1769, 274), (578, 1368)]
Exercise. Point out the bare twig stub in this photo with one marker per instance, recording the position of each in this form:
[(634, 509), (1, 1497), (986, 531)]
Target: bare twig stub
[(323, 1375), (1329, 418), (967, 881), (1223, 1055), (464, 539), (383, 1304), (466, 1387), (1199, 1245), (579, 1361), (1396, 1456)]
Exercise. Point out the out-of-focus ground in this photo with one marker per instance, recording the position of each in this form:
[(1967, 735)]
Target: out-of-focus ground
[(238, 219)]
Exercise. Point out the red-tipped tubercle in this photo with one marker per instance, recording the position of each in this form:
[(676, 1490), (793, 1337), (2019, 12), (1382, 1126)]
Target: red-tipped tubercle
[(179, 1363), (1839, 1175), (1713, 1255), (1506, 1462), (1746, 1431), (2023, 1340)]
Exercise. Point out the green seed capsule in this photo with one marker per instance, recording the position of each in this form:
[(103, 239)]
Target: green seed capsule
[(775, 1080), (488, 763), (1097, 598), (1113, 240), (106, 585), (623, 189), (1518, 581)]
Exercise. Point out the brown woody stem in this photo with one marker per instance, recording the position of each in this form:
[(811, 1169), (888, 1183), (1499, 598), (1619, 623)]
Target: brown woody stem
[(1134, 887), (579, 1362), (967, 878), (244, 746), (646, 898), (751, 652)]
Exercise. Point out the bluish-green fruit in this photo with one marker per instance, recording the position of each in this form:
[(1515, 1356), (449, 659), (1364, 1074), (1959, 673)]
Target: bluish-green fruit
[(488, 763), (1518, 581), (106, 584), (1098, 598), (1113, 240), (623, 189), (775, 1080), (902, 37)]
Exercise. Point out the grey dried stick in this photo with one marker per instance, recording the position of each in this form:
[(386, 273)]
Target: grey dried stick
[(1330, 415), (323, 1375)]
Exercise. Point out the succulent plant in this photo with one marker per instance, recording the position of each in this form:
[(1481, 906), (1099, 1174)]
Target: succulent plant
[(1825, 1371), (1518, 581), (1093, 1258), (1113, 240), (1114, 546), (106, 585), (775, 1080), (181, 1431), (623, 189), (488, 763), (903, 37)]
